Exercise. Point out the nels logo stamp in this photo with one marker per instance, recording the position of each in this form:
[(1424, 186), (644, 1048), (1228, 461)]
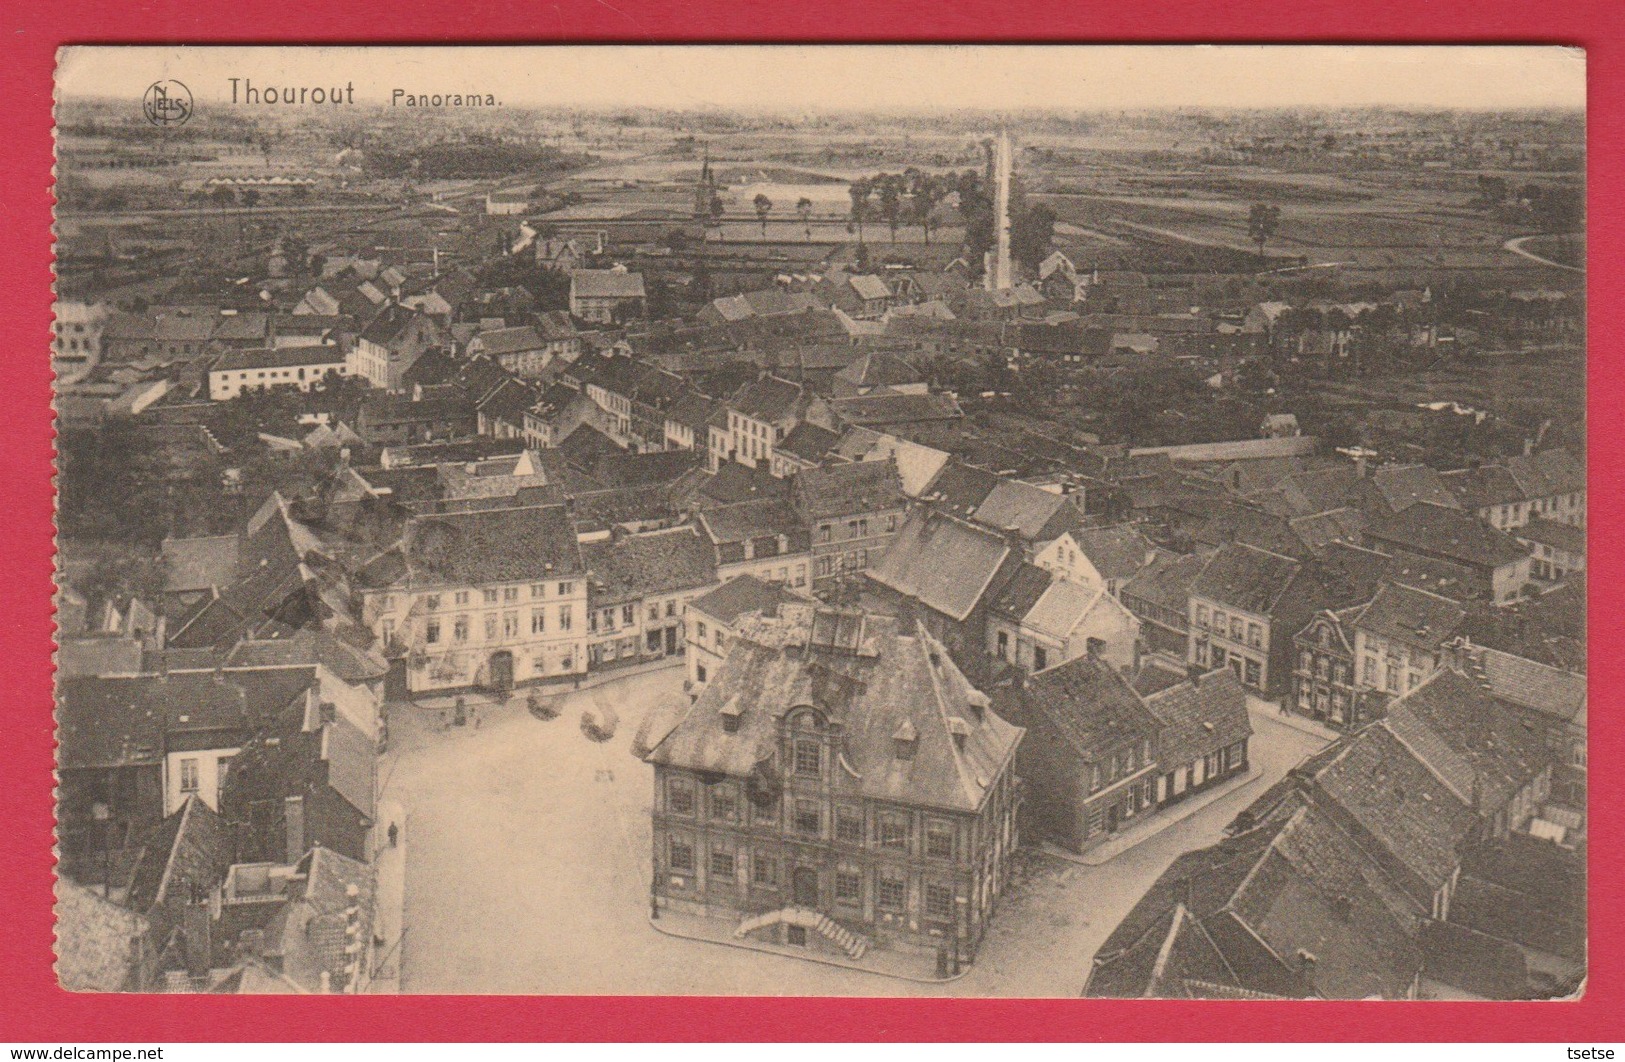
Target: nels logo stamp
[(167, 103)]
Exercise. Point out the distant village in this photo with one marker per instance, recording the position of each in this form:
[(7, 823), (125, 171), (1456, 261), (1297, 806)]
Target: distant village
[(908, 635)]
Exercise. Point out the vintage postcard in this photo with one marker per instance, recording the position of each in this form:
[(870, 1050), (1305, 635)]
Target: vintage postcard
[(980, 521)]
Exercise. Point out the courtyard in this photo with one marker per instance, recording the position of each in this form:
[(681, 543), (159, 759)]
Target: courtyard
[(529, 851)]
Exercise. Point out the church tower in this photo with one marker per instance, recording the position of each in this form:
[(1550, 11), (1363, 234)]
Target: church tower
[(706, 190)]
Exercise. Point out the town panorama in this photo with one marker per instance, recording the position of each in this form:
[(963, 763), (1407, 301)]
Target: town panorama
[(1122, 553)]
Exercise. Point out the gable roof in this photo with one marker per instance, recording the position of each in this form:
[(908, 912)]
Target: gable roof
[(1402, 486), (1246, 577), (1032, 512), (848, 489), (1433, 529), (743, 594), (1413, 617), (190, 850), (655, 562), (768, 399), (1199, 717), (606, 284), (516, 544), (943, 563), (1091, 705), (1117, 552)]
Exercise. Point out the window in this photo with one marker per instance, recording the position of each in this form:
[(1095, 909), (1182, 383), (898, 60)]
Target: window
[(1255, 636), (538, 590), (189, 775), (700, 630), (654, 612), (565, 588), (432, 602), (823, 532), (460, 597), (1220, 621), (809, 758), (680, 855), (939, 840), (1254, 673), (606, 619), (849, 825), (679, 796), (490, 597), (723, 801), (1371, 671), (808, 818), (1306, 661), (764, 870), (564, 616), (1004, 645), (939, 902), (538, 621), (510, 594), (431, 632), (1201, 615), (699, 672), (848, 887), (893, 830), (722, 865), (459, 629), (1392, 682), (388, 631), (1236, 632), (891, 893), (764, 809), (671, 609)]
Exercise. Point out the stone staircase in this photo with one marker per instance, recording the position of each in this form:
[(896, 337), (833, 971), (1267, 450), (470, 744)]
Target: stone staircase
[(853, 944)]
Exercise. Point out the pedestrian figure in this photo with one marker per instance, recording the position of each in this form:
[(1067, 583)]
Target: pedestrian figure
[(460, 713), (394, 834)]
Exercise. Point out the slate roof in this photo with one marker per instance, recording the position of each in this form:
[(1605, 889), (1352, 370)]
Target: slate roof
[(1528, 684), (1548, 473), (750, 519), (879, 369), (1522, 889), (97, 940), (1091, 706), (848, 489), (518, 544), (108, 722), (510, 341), (655, 562), (1061, 607), (1432, 529), (960, 489), (1021, 592), (278, 358), (945, 564), (1484, 487), (878, 681), (1199, 717), (743, 594), (1247, 578), (1167, 581), (1413, 617)]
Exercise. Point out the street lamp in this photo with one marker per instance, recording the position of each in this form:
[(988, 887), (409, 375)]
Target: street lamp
[(103, 814)]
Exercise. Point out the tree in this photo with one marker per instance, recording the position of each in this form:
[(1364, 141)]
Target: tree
[(891, 201), (1262, 221), (764, 207), (924, 195), (1031, 235), (860, 191), (804, 207)]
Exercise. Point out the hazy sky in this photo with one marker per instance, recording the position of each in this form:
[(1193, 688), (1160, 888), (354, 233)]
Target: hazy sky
[(869, 77)]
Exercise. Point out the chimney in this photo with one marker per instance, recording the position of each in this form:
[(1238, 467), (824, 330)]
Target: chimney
[(197, 933), (1360, 465), (293, 816)]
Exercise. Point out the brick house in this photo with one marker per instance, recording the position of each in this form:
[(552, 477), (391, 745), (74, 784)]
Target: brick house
[(853, 511), (838, 785)]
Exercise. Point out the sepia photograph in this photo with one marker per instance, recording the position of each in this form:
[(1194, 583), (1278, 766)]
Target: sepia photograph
[(1019, 521)]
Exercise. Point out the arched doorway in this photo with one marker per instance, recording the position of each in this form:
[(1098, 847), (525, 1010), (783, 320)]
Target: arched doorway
[(499, 675)]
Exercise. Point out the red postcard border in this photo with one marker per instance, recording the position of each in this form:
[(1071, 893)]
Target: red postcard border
[(33, 1008)]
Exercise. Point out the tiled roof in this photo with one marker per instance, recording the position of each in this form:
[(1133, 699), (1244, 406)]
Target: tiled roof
[(199, 563), (1021, 592), (1199, 717), (1402, 486), (880, 681), (941, 562), (1500, 754), (185, 855), (606, 284), (750, 519), (882, 409), (742, 594), (492, 546), (278, 358), (848, 489), (108, 722), (1548, 473), (1545, 689), (510, 340), (768, 399), (808, 441), (1247, 578), (1483, 487), (1432, 529), (1565, 537), (1414, 617), (1061, 607), (97, 941), (1037, 515), (656, 562), (1117, 552), (1092, 706), (960, 489)]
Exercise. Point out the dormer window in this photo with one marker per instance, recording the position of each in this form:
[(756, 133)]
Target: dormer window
[(730, 713), (905, 740), (809, 758)]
